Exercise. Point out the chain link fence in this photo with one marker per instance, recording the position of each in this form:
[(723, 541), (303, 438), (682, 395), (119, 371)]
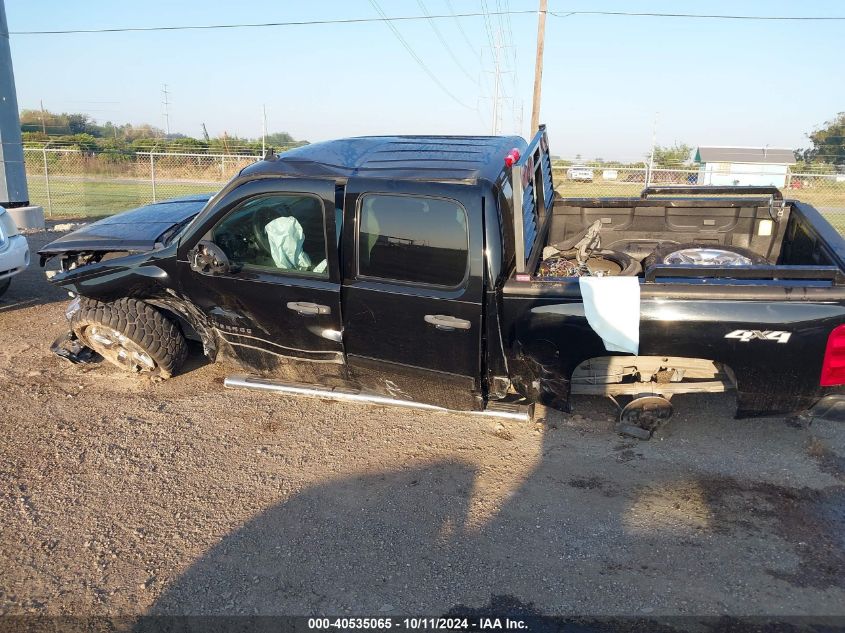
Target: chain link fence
[(72, 183), (826, 192)]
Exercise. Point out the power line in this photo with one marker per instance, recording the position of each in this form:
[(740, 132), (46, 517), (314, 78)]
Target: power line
[(416, 57), (486, 13), (461, 29), (713, 16), (517, 126), (490, 40), (446, 45), (195, 27), (451, 15)]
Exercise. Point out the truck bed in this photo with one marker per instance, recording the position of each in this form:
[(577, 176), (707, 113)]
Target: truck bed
[(786, 234), (761, 328)]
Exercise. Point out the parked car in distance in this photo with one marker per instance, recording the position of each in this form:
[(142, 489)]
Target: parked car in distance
[(14, 251), (580, 173)]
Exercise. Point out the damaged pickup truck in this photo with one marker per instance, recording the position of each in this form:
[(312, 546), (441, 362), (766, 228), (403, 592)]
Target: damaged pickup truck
[(447, 272)]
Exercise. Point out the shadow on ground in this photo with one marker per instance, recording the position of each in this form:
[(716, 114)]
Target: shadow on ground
[(612, 528)]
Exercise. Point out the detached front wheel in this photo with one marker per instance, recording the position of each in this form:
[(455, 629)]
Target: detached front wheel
[(132, 335)]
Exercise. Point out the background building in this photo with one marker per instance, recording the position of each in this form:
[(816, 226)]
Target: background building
[(760, 166)]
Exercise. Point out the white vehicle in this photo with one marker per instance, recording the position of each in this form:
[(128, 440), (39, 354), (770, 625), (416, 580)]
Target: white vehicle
[(580, 172), (14, 251)]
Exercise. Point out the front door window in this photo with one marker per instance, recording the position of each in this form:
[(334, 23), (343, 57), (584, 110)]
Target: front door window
[(278, 232)]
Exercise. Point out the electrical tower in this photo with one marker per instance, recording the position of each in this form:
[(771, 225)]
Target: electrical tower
[(166, 113), (498, 71)]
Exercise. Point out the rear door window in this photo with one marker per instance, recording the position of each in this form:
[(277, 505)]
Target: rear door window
[(413, 239)]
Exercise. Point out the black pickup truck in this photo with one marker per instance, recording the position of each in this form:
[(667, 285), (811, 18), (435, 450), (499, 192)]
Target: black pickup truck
[(447, 272)]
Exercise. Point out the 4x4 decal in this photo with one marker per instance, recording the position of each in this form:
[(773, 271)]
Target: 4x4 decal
[(760, 335)]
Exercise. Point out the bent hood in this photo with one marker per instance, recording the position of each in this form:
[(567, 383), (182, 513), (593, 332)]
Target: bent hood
[(135, 230)]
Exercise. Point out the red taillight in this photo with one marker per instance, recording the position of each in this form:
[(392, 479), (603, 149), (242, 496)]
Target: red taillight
[(833, 367), (512, 157)]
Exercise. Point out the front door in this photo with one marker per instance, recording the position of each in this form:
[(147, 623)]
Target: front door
[(276, 305), (413, 289)]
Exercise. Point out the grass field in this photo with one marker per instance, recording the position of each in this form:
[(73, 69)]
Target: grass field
[(832, 195), (76, 198), (90, 197), (830, 200)]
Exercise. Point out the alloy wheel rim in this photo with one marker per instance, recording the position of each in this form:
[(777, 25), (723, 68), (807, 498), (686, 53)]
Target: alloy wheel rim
[(707, 257), (119, 349)]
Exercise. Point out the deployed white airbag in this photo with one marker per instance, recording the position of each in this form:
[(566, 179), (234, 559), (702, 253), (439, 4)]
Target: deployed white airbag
[(286, 239), (612, 308)]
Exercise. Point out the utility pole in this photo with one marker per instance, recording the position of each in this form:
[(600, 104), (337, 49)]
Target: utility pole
[(653, 147), (43, 124), (538, 67), (205, 133), (166, 113), (263, 128)]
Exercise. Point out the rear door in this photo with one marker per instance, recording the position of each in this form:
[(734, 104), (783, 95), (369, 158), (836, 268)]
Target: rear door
[(278, 310), (412, 292)]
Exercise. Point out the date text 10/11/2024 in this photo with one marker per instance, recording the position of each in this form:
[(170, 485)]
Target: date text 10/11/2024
[(447, 624)]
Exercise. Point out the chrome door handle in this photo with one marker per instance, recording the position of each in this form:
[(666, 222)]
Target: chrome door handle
[(308, 309), (446, 322)]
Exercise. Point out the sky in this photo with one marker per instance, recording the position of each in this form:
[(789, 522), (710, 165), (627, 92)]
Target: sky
[(610, 83)]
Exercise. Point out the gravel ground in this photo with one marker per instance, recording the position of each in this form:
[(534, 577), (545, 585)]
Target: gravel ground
[(121, 496)]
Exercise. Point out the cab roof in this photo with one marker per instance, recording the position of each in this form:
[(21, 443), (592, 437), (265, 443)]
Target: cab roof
[(464, 159)]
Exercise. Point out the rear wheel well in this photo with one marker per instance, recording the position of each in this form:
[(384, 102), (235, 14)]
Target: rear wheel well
[(625, 375)]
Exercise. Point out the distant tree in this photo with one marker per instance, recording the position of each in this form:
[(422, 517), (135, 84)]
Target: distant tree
[(82, 124), (677, 155), (145, 130), (186, 144), (828, 143), (35, 137), (85, 143), (146, 144), (282, 141), (38, 121), (80, 131)]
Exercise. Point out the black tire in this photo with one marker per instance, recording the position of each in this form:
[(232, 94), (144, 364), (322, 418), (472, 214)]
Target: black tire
[(629, 266), (659, 254), (151, 343), (4, 285)]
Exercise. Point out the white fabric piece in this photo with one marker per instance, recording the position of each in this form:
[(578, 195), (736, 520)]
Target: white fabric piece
[(612, 308), (286, 239)]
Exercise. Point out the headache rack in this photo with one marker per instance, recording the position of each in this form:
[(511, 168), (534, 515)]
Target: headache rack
[(531, 182)]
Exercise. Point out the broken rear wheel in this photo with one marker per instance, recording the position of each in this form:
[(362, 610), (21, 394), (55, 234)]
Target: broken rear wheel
[(132, 335)]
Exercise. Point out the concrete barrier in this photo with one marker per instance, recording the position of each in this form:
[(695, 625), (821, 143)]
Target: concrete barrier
[(27, 217)]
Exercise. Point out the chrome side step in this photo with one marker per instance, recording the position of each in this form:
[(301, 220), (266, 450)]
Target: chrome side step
[(507, 411)]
